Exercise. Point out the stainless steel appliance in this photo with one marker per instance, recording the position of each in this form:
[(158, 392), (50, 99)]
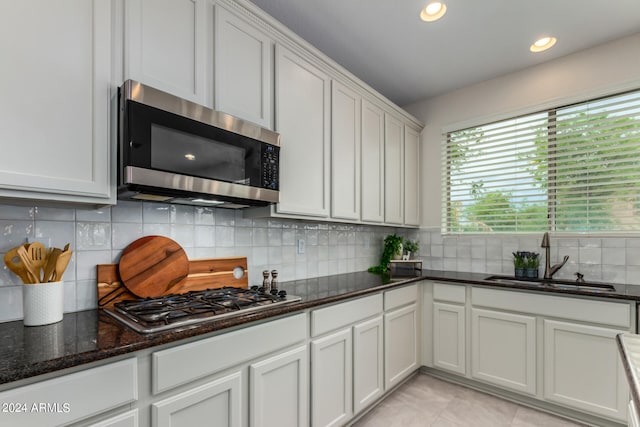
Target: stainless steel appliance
[(179, 311), (173, 150)]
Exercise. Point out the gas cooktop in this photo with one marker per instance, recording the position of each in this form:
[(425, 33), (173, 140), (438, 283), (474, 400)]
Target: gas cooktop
[(178, 311)]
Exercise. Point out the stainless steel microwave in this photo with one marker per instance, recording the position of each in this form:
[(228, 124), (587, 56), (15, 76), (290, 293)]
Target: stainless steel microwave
[(175, 151)]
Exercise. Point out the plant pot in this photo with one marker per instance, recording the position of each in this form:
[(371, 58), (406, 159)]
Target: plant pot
[(520, 272), (531, 273), (398, 254), (42, 303)]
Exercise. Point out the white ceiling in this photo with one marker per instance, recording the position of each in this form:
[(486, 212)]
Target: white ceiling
[(385, 43)]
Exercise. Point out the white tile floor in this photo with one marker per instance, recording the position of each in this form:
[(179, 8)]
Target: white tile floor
[(428, 401)]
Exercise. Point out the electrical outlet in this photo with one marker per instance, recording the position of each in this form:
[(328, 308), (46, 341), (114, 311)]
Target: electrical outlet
[(301, 246)]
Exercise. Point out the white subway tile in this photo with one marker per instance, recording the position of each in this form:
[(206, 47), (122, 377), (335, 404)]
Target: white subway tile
[(155, 213), (126, 211), (94, 215), (89, 235)]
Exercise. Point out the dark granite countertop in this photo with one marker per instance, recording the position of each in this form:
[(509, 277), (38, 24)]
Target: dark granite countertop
[(92, 335)]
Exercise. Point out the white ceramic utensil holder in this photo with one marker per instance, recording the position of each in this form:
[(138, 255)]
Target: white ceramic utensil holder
[(42, 303)]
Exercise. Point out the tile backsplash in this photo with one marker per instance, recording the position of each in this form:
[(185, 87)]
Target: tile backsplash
[(606, 259), (99, 236)]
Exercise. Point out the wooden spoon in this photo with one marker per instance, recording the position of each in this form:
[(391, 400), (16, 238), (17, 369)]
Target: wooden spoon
[(38, 254), (61, 265), (26, 262), (12, 260), (50, 265)]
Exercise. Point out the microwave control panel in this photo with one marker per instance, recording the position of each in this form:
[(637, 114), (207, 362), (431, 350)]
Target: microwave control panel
[(270, 163)]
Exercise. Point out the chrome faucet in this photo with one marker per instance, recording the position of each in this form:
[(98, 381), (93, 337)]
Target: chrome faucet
[(549, 271)]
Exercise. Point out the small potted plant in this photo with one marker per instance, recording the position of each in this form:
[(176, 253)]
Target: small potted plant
[(411, 247), (519, 263), (392, 249), (532, 264)]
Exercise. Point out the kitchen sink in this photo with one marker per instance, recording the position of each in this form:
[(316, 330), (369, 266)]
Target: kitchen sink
[(552, 283)]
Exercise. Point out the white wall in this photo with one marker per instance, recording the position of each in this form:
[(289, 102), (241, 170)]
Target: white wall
[(598, 71)]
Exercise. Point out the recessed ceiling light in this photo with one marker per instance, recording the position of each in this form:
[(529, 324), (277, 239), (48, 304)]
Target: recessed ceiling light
[(542, 44), (189, 156), (434, 11)]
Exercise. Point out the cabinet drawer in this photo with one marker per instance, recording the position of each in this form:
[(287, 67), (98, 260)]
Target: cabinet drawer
[(450, 293), (399, 297), (73, 397), (186, 363), (583, 310), (346, 313)]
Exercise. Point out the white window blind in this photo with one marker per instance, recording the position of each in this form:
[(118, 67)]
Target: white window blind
[(574, 168)]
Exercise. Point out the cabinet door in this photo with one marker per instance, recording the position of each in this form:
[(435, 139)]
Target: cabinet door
[(279, 390), (345, 153), (55, 110), (218, 402), (503, 349), (372, 163), (411, 176), (449, 337), (368, 379), (243, 69), (401, 344), (166, 46), (393, 170), (582, 369), (302, 119), (128, 419), (331, 379)]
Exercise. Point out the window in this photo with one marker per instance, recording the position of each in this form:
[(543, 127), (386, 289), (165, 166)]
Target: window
[(570, 169)]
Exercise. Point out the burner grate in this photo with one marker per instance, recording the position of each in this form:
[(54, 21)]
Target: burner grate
[(173, 311)]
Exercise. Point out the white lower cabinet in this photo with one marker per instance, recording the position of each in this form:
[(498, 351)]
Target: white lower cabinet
[(347, 359), (71, 398), (401, 344), (503, 349), (279, 390), (218, 401), (401, 334), (127, 419), (331, 379), (449, 337), (368, 379), (556, 349), (583, 369)]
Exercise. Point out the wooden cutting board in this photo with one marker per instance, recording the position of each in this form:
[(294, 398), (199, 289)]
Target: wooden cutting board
[(151, 265), (204, 274)]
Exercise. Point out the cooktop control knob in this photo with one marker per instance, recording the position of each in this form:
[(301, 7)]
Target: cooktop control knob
[(274, 292), (282, 294)]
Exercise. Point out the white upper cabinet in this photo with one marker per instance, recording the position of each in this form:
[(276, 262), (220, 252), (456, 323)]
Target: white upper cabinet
[(243, 71), (303, 121), (411, 176), (166, 46), (345, 152), (372, 188), (56, 102), (393, 170)]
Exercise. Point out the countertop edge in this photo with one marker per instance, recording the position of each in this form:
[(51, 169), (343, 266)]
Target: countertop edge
[(142, 342), (630, 366)]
